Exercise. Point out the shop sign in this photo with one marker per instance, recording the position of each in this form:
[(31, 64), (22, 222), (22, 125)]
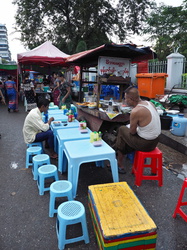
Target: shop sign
[(113, 66)]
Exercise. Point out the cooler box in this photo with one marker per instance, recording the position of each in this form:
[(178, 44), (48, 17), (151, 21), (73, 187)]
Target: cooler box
[(119, 219), (151, 84)]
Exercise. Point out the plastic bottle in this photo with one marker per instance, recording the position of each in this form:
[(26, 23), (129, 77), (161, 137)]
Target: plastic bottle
[(100, 135), (70, 116), (91, 137), (110, 106), (95, 136)]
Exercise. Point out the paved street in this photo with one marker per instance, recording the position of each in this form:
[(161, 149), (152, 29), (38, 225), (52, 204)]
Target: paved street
[(24, 220)]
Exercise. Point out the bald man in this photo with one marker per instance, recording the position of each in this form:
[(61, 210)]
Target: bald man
[(144, 131)]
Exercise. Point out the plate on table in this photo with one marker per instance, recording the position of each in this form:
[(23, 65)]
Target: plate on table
[(57, 123), (97, 143), (91, 107)]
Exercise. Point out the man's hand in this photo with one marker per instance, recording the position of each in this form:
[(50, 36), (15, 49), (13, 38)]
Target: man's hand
[(50, 120)]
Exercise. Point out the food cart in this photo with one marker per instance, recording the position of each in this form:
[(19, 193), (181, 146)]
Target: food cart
[(112, 64)]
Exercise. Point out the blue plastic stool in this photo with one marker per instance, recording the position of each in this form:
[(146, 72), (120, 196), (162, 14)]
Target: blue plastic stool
[(44, 172), (69, 213), (38, 144), (30, 152), (59, 189), (38, 161)]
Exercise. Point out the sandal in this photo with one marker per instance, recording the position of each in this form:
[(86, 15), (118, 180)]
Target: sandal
[(54, 156)]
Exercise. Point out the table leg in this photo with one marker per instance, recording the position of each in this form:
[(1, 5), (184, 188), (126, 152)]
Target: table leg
[(114, 168)]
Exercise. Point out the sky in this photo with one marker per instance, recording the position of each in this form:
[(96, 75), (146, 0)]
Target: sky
[(8, 11)]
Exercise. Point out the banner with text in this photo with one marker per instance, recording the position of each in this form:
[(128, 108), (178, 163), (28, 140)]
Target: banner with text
[(113, 66)]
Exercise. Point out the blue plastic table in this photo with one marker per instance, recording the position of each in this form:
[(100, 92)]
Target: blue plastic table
[(58, 117), (74, 124), (55, 112), (82, 151), (64, 135)]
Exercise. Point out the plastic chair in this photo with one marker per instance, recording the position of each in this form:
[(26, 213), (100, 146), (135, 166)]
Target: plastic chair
[(34, 144), (44, 172), (60, 188), (38, 161), (181, 203), (69, 213), (140, 163), (30, 153)]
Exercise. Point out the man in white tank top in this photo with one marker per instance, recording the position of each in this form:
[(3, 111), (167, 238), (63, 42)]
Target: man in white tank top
[(144, 131)]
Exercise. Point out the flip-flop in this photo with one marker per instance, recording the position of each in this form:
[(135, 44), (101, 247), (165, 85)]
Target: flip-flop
[(120, 170), (54, 157)]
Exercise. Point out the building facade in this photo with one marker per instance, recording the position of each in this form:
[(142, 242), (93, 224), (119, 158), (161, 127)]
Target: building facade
[(4, 46)]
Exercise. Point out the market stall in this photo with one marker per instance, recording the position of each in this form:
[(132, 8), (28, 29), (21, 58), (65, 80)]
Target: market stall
[(45, 58), (112, 63)]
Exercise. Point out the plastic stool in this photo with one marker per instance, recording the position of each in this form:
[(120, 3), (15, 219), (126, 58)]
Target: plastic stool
[(59, 189), (30, 152), (155, 165), (69, 213), (46, 171), (181, 203), (38, 144), (38, 161)]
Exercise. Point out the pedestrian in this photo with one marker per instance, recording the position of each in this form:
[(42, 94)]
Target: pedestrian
[(64, 97), (143, 133), (2, 98), (10, 86), (35, 130), (28, 88), (55, 84)]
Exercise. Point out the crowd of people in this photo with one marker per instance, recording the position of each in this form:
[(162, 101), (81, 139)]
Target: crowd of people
[(60, 91)]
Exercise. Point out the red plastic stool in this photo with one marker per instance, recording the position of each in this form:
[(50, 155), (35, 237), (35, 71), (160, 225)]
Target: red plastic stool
[(180, 203), (155, 164)]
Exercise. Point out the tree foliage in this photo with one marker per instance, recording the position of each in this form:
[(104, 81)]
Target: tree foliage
[(75, 25), (167, 26)]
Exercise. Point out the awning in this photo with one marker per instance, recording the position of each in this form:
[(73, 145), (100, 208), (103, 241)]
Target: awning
[(131, 51)]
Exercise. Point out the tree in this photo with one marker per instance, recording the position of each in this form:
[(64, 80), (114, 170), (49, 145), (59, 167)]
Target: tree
[(73, 25), (167, 26)]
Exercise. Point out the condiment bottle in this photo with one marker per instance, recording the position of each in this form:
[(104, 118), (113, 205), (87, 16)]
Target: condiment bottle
[(100, 135)]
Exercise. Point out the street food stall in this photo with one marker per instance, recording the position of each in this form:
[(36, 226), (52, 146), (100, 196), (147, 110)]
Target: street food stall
[(112, 63)]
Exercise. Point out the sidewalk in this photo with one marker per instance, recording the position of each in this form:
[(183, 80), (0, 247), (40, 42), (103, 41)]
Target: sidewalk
[(24, 220)]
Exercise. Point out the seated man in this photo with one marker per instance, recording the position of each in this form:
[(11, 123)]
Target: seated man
[(144, 131), (35, 130)]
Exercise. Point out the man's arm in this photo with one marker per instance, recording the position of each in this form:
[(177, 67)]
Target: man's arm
[(133, 122)]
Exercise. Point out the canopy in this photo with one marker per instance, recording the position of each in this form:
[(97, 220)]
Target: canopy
[(131, 51), (45, 54), (6, 69)]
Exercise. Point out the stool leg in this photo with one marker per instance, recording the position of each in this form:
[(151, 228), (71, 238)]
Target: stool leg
[(27, 161), (180, 203), (41, 185), (51, 205), (85, 230), (160, 172), (35, 170), (56, 176), (61, 235), (139, 171)]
